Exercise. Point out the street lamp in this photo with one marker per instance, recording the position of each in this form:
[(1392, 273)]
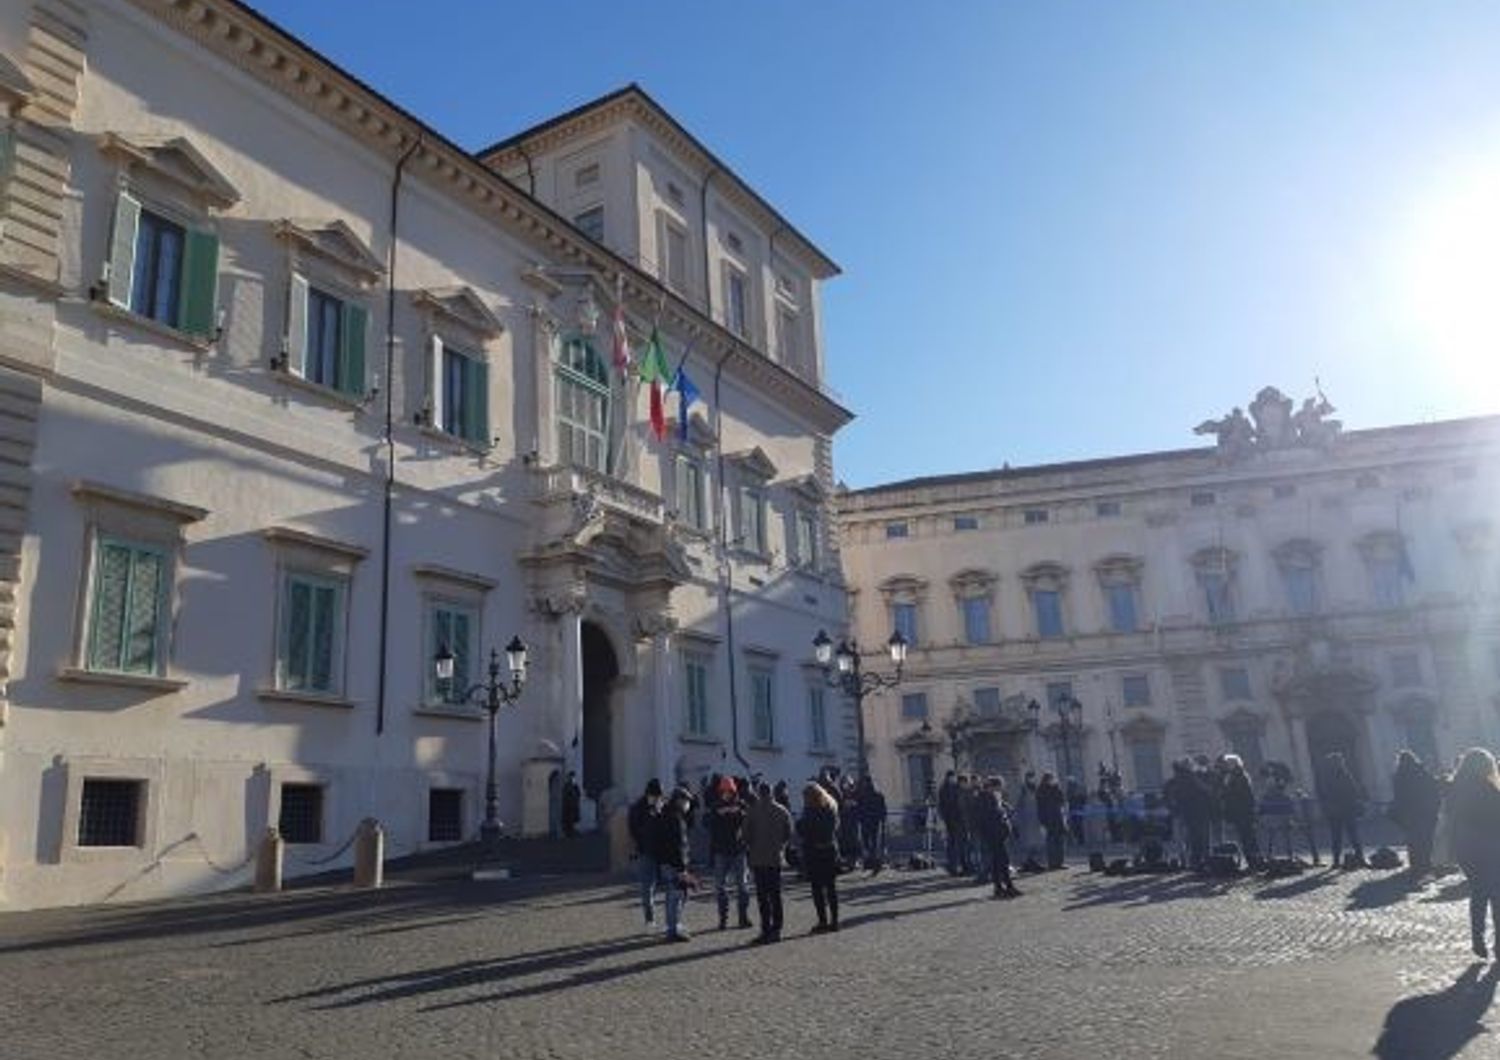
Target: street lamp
[(1069, 722), (494, 695), (842, 671)]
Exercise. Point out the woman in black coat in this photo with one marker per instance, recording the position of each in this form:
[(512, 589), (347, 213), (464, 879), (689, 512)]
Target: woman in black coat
[(1416, 798), (818, 836), (1474, 810)]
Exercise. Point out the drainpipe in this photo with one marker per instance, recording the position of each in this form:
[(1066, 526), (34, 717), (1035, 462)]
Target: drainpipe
[(726, 574), (390, 435)]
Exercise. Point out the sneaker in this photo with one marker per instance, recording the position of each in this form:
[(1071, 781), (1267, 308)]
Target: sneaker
[(744, 923), (678, 936), (819, 929), (760, 940)]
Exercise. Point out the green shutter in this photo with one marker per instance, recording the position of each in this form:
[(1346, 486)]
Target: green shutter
[(296, 325), (325, 612), (200, 283), (111, 584), (295, 639), (121, 267), (143, 609), (351, 378), (442, 637), (461, 652), (7, 164), (476, 417)]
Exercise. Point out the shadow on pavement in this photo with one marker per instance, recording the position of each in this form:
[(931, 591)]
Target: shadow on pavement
[(1304, 884), (1383, 891), (1438, 1026), (1450, 892), (1145, 890)]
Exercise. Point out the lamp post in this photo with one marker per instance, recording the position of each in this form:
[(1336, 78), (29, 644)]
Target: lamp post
[(842, 671), (1069, 721), (494, 695)]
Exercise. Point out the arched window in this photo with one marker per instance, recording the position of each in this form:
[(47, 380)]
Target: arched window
[(583, 405)]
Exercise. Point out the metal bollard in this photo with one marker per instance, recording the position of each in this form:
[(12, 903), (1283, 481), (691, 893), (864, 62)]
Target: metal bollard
[(269, 859), (369, 854)]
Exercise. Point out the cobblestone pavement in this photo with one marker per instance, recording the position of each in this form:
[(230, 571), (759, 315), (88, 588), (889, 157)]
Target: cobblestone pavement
[(1321, 965)]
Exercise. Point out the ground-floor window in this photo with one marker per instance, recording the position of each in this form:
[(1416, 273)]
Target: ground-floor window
[(109, 813), (301, 819), (445, 815)]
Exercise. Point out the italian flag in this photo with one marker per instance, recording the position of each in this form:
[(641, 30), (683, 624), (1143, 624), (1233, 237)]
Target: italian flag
[(655, 370)]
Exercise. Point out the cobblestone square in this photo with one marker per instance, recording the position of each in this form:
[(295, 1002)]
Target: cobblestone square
[(1321, 965)]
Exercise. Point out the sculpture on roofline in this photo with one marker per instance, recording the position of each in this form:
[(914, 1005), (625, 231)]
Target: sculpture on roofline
[(1275, 426), (1272, 411), (1234, 433)]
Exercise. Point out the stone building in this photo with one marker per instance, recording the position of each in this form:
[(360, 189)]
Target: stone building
[(1292, 591), (295, 393)]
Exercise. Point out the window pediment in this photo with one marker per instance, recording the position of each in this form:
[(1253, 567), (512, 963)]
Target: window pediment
[(807, 488), (903, 588), (973, 581), (460, 305), (1045, 575), (176, 160), (333, 241), (1214, 559), (1298, 552), (1381, 544), (754, 463), (1119, 569)]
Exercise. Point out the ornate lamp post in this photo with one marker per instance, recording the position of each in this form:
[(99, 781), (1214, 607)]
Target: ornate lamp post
[(1069, 722), (494, 694), (842, 671)]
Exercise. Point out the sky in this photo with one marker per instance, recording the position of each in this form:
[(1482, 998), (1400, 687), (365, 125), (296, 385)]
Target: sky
[(1067, 230)]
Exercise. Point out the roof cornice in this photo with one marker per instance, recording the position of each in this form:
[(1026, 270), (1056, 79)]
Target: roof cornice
[(254, 44)]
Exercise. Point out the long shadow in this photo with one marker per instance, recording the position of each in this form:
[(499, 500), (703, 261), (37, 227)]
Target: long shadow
[(1450, 892), (1304, 884), (1383, 891), (1147, 890), (1438, 1026)]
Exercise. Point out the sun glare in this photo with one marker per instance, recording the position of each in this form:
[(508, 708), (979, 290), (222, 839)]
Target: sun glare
[(1450, 280)]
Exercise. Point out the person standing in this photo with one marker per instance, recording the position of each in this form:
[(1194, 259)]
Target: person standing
[(768, 829), (1342, 799), (1023, 821), (572, 806), (1416, 798), (993, 818), (642, 821), (671, 846), (871, 807), (817, 833), (1239, 808), (947, 806), (1474, 811), (1190, 804), (726, 848), (1052, 817)]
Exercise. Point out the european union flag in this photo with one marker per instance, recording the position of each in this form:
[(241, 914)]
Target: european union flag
[(687, 393)]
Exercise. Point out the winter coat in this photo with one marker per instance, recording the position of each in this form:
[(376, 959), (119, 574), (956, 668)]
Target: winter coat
[(670, 839), (1474, 818), (726, 829), (642, 821), (817, 831), (768, 829), (992, 818), (1239, 797), (1416, 796), (1049, 807), (1340, 794), (948, 802)]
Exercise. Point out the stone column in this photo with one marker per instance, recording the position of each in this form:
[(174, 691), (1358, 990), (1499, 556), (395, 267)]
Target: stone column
[(663, 708)]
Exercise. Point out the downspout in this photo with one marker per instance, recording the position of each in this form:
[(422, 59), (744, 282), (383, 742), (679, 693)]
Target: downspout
[(390, 435), (726, 574), (708, 299)]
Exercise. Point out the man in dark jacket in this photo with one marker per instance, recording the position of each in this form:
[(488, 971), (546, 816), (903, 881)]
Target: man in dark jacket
[(947, 807), (1240, 808), (671, 846), (642, 821), (1190, 804), (1050, 814), (871, 808), (572, 806), (1416, 798), (992, 818), (1343, 801), (726, 848), (768, 829)]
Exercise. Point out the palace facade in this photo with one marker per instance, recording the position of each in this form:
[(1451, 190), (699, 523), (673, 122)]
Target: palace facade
[(297, 394)]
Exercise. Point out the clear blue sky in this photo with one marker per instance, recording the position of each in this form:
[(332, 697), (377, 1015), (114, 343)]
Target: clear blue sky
[(1067, 230)]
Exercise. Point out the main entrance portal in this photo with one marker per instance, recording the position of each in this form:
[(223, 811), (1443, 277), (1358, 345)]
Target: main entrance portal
[(600, 671)]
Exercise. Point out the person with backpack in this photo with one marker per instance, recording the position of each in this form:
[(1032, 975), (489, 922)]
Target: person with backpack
[(642, 822), (768, 829), (726, 849)]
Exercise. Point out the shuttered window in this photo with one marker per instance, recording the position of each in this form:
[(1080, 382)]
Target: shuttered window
[(454, 628), (763, 706), (311, 641), (326, 337), (817, 718), (461, 393), (125, 613), (690, 507), (695, 672), (163, 270)]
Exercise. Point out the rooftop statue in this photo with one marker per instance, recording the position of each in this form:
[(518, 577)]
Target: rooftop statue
[(1275, 426)]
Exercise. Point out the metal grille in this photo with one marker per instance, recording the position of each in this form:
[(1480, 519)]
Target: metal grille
[(445, 815), (110, 813), (301, 813)]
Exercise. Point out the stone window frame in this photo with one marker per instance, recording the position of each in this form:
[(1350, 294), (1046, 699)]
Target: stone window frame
[(975, 583), (295, 551), (1304, 554), (806, 501), (1217, 560), (439, 586), (759, 661), (1048, 576), (149, 772), (456, 317), (702, 649), (279, 773), (1125, 680), (1380, 547), (112, 513), (752, 475), (1115, 571), (905, 589)]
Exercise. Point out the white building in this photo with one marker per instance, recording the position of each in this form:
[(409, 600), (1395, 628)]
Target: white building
[(296, 392), (1290, 593)]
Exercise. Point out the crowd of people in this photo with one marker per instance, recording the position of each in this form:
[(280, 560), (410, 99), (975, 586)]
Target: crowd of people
[(1209, 818)]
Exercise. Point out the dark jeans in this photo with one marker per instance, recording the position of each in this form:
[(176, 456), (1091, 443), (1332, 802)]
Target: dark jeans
[(768, 899), (1197, 844), (1419, 845), (1484, 894), (1000, 867), (1244, 830), (958, 849), (822, 873), (1056, 845), (1337, 827), (870, 836)]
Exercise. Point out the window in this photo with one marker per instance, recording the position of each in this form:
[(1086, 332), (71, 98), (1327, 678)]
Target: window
[(673, 255), (586, 176), (977, 620), (763, 706), (1046, 606), (895, 530), (987, 702), (125, 613), (817, 717), (1122, 610), (326, 338), (1035, 516), (1217, 597), (1301, 583), (1244, 738), (310, 655), (1145, 755), (1234, 682), (753, 521), (736, 301), (904, 621), (445, 815), (591, 223), (1202, 498), (582, 406), (914, 706), (1107, 509), (805, 539), (1385, 581), (464, 400), (690, 506), (162, 270), (695, 674), (456, 629), (965, 522), (301, 819), (919, 774), (1136, 689), (109, 813), (1406, 670), (788, 348)]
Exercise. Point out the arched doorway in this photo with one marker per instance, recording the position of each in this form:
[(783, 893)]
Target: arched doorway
[(1333, 731), (600, 669)]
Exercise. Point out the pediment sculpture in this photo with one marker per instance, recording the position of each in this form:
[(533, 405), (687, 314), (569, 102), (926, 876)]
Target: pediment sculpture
[(1273, 424)]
